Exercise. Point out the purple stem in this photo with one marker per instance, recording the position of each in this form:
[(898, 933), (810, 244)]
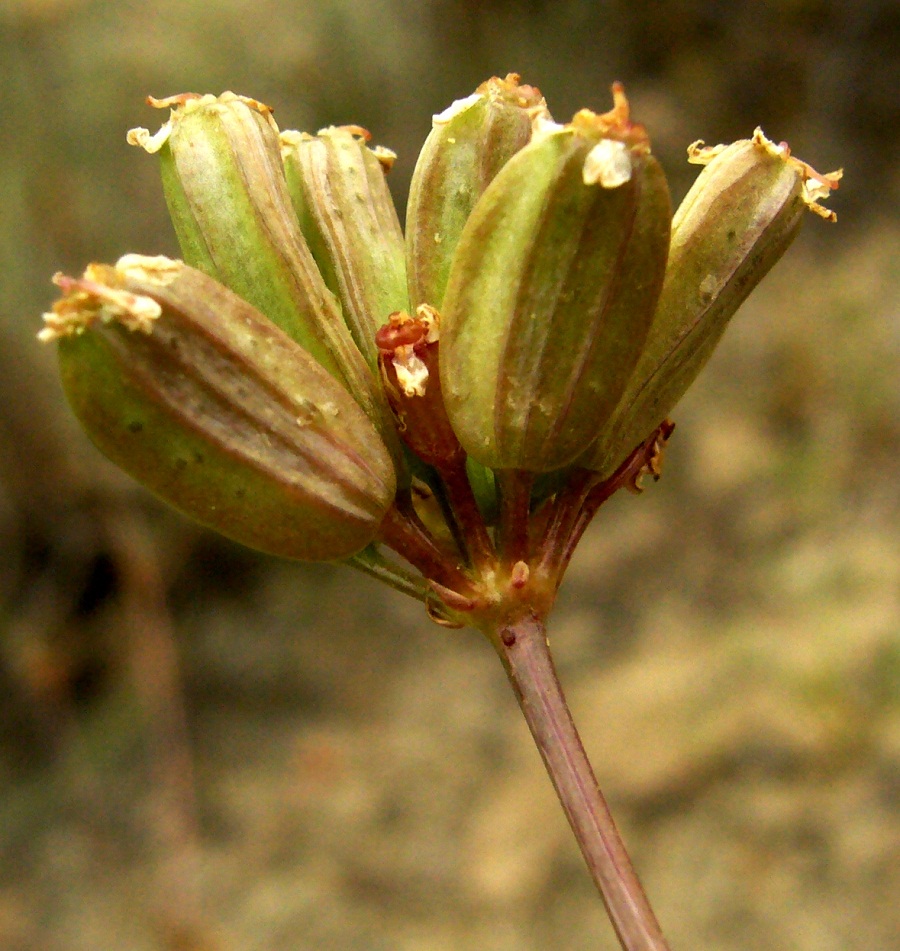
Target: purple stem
[(402, 532), (515, 510), (525, 653)]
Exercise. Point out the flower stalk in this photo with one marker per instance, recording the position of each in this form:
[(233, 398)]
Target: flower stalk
[(525, 652)]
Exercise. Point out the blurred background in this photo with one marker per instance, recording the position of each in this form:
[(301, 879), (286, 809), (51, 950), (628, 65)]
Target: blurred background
[(203, 748)]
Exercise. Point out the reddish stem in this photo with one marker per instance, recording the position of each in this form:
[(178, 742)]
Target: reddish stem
[(515, 510), (646, 458), (410, 539), (525, 653), (564, 517), (465, 508)]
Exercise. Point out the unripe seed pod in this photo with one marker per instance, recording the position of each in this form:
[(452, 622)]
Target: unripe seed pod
[(737, 220), (346, 213), (552, 290), (469, 143), (225, 187), (198, 396)]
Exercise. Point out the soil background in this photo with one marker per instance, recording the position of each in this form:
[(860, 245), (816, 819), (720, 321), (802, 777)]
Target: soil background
[(204, 749)]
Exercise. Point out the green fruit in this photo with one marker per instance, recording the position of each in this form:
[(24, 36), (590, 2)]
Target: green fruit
[(202, 399), (737, 220), (220, 160), (551, 293), (468, 145), (340, 194)]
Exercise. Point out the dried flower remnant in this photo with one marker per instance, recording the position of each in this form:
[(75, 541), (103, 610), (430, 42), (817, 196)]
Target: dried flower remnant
[(607, 164), (816, 186), (409, 348)]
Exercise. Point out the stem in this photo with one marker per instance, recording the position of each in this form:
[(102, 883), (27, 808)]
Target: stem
[(594, 499), (439, 491), (465, 508), (646, 458), (515, 507), (564, 516), (406, 536), (371, 562), (525, 652)]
